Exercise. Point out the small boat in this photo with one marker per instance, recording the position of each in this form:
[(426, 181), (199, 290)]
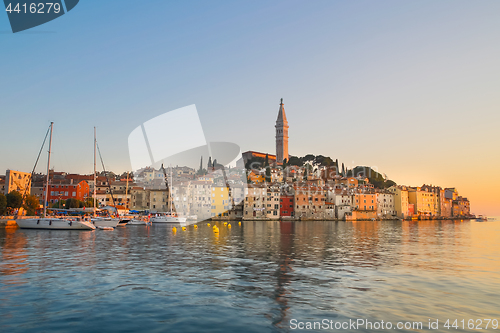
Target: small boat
[(122, 223), (168, 218), (105, 222), (481, 218), (137, 222), (172, 216)]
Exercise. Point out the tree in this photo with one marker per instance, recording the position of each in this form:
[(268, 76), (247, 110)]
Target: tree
[(31, 204), (14, 200), (57, 204), (89, 202), (327, 161), (309, 157), (73, 203), (209, 165), (200, 171), (284, 163), (268, 173), (266, 163), (3, 204), (294, 160)]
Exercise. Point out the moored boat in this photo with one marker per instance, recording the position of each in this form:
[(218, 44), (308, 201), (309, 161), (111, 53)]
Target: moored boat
[(168, 218), (481, 218), (105, 222), (45, 222), (55, 224)]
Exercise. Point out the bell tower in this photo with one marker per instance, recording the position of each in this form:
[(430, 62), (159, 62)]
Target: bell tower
[(281, 135)]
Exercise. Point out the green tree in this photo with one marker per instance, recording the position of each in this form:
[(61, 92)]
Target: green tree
[(294, 160), (57, 204), (209, 164), (73, 203), (3, 204), (309, 157), (14, 200), (89, 202), (31, 204)]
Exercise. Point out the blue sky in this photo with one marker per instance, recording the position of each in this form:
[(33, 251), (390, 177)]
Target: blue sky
[(408, 87)]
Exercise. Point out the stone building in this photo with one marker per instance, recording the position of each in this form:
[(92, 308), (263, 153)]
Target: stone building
[(281, 135)]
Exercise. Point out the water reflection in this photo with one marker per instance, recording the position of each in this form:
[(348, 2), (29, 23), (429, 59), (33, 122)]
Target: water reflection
[(256, 276)]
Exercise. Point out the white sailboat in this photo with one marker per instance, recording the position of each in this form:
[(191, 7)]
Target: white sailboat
[(171, 217), (45, 222), (98, 221)]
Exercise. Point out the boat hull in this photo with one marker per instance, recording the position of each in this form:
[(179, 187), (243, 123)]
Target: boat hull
[(54, 224), (169, 220), (137, 222), (107, 223)]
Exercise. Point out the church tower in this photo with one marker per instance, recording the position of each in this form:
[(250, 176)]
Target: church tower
[(281, 135)]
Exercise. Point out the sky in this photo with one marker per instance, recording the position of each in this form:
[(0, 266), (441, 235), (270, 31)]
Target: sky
[(410, 88)]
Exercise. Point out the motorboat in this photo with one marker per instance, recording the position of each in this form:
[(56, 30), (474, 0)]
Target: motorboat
[(168, 218), (481, 218), (107, 222)]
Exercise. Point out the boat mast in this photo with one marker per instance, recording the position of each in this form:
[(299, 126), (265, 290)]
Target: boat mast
[(48, 173), (126, 194), (170, 190), (95, 176)]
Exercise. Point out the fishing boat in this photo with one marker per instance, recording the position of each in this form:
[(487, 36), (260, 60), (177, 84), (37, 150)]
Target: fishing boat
[(52, 223), (170, 217)]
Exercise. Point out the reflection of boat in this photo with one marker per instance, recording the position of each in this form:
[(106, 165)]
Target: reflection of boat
[(481, 218), (76, 223)]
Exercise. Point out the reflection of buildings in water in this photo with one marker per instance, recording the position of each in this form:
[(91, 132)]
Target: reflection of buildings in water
[(284, 268), (14, 254), (434, 244), (367, 243)]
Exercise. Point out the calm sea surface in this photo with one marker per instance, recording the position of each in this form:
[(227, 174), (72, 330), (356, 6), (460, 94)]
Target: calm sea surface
[(256, 277)]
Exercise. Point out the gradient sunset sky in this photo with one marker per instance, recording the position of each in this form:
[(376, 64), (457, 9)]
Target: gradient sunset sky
[(409, 87)]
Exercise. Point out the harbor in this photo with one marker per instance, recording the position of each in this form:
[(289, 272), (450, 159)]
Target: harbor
[(253, 277)]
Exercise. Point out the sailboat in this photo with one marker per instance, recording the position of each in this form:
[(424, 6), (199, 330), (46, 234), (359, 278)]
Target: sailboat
[(76, 223), (99, 221), (171, 217)]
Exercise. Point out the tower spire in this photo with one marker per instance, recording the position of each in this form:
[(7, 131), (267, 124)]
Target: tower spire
[(281, 135)]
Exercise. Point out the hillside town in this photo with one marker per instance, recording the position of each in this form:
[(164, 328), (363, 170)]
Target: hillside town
[(269, 187)]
